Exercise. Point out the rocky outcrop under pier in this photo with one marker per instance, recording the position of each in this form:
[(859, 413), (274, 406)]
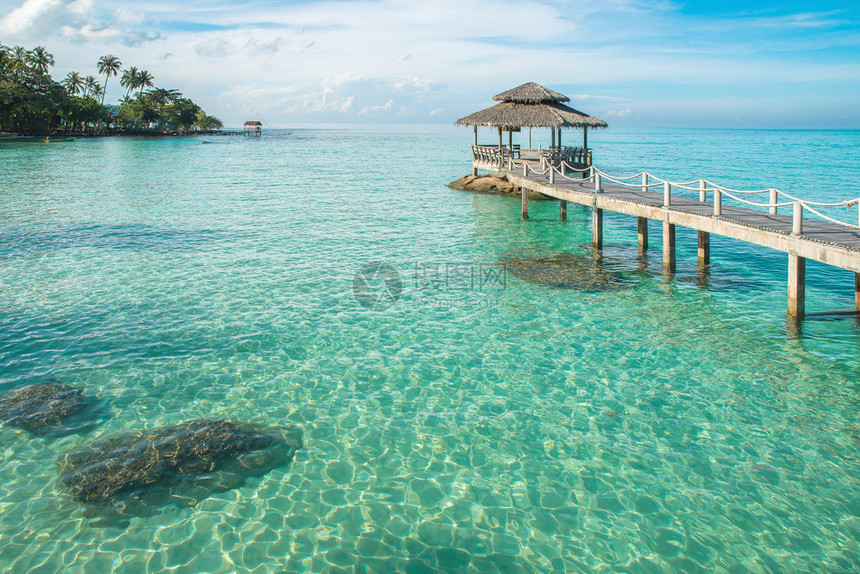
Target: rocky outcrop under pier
[(492, 183)]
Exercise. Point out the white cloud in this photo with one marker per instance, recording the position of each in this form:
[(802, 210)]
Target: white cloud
[(346, 105), (625, 113), (36, 18), (386, 107)]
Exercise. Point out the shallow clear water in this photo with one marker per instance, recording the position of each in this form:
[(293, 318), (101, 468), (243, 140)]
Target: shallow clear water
[(483, 422)]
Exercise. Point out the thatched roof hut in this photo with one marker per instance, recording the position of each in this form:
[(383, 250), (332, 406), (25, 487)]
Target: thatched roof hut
[(530, 93), (542, 115), (531, 105)]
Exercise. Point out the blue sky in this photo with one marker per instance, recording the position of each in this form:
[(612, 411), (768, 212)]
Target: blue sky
[(696, 64)]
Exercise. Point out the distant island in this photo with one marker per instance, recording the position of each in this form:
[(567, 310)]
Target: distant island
[(32, 103)]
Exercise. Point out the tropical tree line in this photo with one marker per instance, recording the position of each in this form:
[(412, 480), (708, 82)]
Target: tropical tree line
[(31, 101)]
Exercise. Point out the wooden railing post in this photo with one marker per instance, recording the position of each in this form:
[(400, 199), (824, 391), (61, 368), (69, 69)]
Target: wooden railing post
[(773, 200), (797, 219), (667, 194), (551, 173), (525, 169), (597, 183), (644, 182), (703, 194), (718, 202)]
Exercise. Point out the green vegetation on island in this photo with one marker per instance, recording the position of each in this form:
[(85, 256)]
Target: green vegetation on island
[(32, 102)]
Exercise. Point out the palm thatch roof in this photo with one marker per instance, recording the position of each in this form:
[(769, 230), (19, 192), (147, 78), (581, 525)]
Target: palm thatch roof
[(540, 115), (530, 93)]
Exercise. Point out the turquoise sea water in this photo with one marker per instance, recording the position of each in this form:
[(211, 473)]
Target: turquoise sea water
[(483, 422)]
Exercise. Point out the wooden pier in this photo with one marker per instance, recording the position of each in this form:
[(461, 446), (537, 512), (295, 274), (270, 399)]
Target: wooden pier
[(568, 175), (760, 223)]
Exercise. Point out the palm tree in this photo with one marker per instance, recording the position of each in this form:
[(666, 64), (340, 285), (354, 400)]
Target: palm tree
[(20, 55), (97, 91), (73, 83), (164, 97), (144, 80), (109, 66), (19, 58), (41, 60), (91, 87), (5, 60), (129, 80)]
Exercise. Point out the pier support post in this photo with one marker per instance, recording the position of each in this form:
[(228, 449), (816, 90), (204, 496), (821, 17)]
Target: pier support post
[(796, 286), (668, 247), (563, 209), (857, 291), (597, 227), (704, 248), (642, 232), (525, 196)]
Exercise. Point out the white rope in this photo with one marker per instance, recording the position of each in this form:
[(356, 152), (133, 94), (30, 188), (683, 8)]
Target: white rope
[(847, 203), (710, 187), (571, 168), (567, 177), (738, 190), (639, 175), (739, 200), (821, 215)]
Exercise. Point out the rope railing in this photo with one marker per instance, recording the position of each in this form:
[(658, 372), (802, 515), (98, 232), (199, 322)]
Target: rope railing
[(704, 187)]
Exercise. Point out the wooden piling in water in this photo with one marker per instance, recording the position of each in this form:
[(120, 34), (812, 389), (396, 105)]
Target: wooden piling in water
[(525, 197), (563, 209), (857, 290), (597, 227), (797, 286), (704, 242), (668, 247), (642, 232)]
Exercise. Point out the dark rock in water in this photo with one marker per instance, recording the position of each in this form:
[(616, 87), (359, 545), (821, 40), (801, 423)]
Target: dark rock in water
[(492, 183), (43, 408), (135, 474), (569, 271)]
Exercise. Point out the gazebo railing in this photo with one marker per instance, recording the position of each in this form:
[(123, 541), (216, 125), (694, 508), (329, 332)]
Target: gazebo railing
[(490, 155), (576, 157)]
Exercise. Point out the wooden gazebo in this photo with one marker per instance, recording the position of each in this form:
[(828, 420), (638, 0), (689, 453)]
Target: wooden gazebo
[(253, 128), (532, 105)]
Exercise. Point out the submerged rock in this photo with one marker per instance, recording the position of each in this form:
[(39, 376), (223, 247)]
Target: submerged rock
[(491, 183), (43, 408), (569, 271), (135, 474)]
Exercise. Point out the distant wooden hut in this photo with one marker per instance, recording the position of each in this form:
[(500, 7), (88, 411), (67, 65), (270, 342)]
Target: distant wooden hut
[(253, 128)]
